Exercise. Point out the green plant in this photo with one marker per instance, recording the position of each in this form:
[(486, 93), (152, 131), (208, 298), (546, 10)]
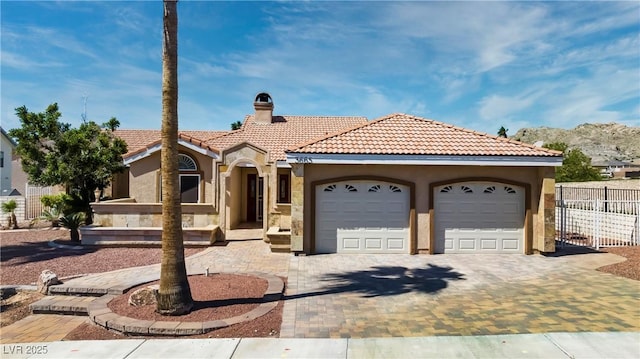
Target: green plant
[(52, 215), (57, 206), (72, 222), (10, 207)]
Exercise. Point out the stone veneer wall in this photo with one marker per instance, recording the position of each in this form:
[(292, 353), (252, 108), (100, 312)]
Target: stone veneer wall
[(128, 213), (297, 208), (548, 203)]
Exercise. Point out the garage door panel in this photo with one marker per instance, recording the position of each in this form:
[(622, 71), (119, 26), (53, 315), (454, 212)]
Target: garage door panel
[(396, 244), (489, 243), (370, 217), (350, 243), (479, 217), (373, 243), (511, 244), (467, 243)]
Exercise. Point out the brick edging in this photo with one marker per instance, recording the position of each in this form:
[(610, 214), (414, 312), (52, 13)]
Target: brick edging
[(100, 314)]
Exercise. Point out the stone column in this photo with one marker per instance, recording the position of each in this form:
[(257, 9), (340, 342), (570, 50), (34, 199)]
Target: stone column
[(297, 208), (549, 209)]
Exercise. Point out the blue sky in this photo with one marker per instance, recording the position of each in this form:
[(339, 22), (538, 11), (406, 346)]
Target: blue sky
[(479, 65)]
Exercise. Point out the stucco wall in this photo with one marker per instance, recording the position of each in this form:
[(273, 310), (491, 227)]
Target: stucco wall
[(143, 177), (422, 176)]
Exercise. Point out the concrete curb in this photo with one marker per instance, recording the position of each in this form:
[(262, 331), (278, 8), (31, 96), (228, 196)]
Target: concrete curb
[(100, 314)]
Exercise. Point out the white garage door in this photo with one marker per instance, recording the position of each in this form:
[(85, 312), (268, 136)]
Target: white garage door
[(362, 217), (479, 217)]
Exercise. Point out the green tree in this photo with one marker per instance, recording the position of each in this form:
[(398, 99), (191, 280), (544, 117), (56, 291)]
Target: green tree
[(502, 132), (174, 294), (576, 166), (236, 125), (81, 159)]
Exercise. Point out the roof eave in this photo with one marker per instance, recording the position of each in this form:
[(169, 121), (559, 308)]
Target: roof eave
[(432, 160), (148, 151)]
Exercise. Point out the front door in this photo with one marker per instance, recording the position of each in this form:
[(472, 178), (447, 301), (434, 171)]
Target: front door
[(254, 198)]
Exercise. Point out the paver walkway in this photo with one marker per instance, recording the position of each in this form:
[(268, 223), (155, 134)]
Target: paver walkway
[(401, 295)]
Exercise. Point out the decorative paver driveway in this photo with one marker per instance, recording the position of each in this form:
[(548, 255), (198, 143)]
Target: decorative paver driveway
[(362, 296)]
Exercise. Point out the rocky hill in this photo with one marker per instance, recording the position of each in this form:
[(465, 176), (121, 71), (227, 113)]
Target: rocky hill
[(600, 141)]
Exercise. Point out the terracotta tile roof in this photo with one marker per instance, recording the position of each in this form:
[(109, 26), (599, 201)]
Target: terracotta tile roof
[(140, 140), (284, 132), (401, 134)]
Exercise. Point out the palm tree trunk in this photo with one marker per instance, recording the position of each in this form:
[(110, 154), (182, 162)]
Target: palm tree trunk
[(174, 295)]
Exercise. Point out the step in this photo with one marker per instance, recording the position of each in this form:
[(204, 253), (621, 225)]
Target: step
[(280, 248), (62, 304)]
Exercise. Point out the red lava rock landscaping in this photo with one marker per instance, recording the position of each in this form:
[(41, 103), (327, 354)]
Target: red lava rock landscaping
[(218, 296)]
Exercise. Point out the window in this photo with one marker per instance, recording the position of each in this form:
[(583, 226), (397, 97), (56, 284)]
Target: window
[(350, 188), (189, 180), (186, 163), (330, 188), (1, 159), (284, 188)]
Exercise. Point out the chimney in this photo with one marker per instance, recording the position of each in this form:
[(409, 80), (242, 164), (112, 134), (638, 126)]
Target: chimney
[(263, 105)]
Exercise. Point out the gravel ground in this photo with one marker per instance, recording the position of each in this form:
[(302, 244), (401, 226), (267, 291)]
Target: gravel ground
[(25, 254), (629, 268), (216, 297)]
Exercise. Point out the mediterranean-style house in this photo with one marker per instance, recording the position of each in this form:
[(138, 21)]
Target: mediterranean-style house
[(316, 184)]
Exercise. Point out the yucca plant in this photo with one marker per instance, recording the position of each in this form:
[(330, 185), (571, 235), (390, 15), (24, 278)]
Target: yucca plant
[(10, 207), (72, 222), (57, 205), (52, 215)]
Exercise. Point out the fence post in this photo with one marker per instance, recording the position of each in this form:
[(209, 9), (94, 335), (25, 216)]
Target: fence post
[(563, 233), (606, 198), (596, 225), (637, 239)]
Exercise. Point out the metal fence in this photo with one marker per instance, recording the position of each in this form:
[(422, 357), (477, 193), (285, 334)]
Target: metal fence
[(598, 223), (593, 193), (33, 206)]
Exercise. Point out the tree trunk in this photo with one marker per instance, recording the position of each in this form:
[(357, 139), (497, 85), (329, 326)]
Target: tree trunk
[(75, 235), (14, 220), (174, 295)]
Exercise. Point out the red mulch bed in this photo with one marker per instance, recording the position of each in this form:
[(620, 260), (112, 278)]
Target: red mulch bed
[(232, 290), (218, 296), (629, 268), (25, 254)]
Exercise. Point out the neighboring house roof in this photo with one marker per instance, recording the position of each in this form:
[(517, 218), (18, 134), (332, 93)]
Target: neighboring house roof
[(611, 163), (406, 135), (142, 140), (284, 132), (5, 134)]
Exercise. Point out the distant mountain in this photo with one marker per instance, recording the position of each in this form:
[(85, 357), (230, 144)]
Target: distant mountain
[(600, 141)]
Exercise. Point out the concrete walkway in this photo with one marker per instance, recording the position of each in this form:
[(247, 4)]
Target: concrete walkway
[(550, 345)]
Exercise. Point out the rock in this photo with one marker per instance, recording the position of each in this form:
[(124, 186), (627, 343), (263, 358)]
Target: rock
[(144, 296), (46, 279), (7, 292)]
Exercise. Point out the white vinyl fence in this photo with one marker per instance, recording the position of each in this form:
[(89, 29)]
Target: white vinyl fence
[(598, 223)]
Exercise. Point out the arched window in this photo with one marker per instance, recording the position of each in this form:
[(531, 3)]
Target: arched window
[(186, 163)]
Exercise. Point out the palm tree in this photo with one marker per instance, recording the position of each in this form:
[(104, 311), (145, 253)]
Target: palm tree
[(502, 132), (174, 295), (10, 207)]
